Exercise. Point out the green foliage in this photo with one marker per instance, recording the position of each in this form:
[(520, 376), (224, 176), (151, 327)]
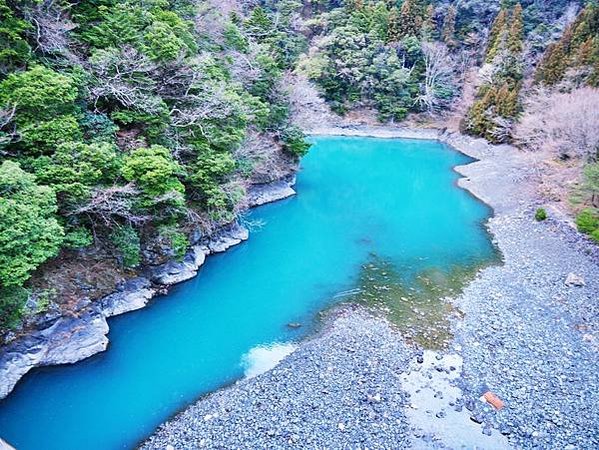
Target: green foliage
[(294, 141), (98, 127), (138, 125), (127, 242), (44, 136), (14, 49), (154, 170), (234, 38), (29, 231), (44, 105), (75, 168), (177, 240), (587, 221), (540, 214), (38, 93), (209, 169), (12, 306), (78, 237), (155, 31)]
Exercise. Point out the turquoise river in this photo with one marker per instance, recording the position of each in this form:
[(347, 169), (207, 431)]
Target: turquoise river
[(357, 197)]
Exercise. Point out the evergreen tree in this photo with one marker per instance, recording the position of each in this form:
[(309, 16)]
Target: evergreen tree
[(409, 20), (448, 32), (14, 49), (516, 33), (394, 28), (553, 65), (429, 25), (497, 30)]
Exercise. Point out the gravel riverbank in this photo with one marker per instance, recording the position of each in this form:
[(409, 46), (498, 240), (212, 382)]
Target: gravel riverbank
[(527, 335)]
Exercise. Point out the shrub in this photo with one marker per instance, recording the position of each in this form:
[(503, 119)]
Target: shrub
[(595, 235), (29, 231), (79, 237), (12, 306), (39, 93), (126, 240), (45, 136), (587, 221), (540, 215), (153, 170), (76, 167), (294, 141), (178, 241)]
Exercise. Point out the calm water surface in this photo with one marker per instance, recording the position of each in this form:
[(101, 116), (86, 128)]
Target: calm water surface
[(358, 198)]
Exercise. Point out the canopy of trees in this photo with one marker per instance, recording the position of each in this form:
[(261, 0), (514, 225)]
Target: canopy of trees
[(120, 122)]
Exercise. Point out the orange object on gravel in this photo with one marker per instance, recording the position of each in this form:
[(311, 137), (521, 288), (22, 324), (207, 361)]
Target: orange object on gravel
[(493, 400)]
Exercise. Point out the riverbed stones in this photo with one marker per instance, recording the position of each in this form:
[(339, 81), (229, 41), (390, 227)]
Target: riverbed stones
[(314, 398), (574, 280)]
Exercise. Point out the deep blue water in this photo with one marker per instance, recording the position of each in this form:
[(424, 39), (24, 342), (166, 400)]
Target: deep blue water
[(357, 196)]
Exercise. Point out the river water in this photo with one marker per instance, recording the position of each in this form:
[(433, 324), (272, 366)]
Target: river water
[(360, 201)]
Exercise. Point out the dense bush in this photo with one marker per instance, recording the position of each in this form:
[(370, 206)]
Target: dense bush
[(540, 214), (126, 240), (120, 122), (29, 230), (587, 221)]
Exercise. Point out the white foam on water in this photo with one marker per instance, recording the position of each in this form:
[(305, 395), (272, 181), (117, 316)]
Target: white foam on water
[(262, 358)]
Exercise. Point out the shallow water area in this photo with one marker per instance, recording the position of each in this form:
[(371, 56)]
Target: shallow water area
[(357, 197), (435, 411)]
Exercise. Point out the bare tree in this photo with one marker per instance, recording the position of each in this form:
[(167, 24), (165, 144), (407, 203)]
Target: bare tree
[(125, 76), (438, 75), (565, 123), (52, 26), (109, 205)]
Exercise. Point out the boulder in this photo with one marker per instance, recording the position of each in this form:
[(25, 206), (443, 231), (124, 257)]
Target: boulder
[(261, 194), (68, 340), (574, 280), (133, 294), (174, 272), (227, 238)]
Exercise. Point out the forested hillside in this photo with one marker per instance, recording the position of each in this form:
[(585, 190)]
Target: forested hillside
[(124, 127), (128, 126), (524, 73)]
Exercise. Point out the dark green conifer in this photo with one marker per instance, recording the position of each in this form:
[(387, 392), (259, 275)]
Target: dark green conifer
[(448, 32), (497, 30)]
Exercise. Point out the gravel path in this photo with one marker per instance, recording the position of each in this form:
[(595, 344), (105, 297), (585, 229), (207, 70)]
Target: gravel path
[(526, 336)]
